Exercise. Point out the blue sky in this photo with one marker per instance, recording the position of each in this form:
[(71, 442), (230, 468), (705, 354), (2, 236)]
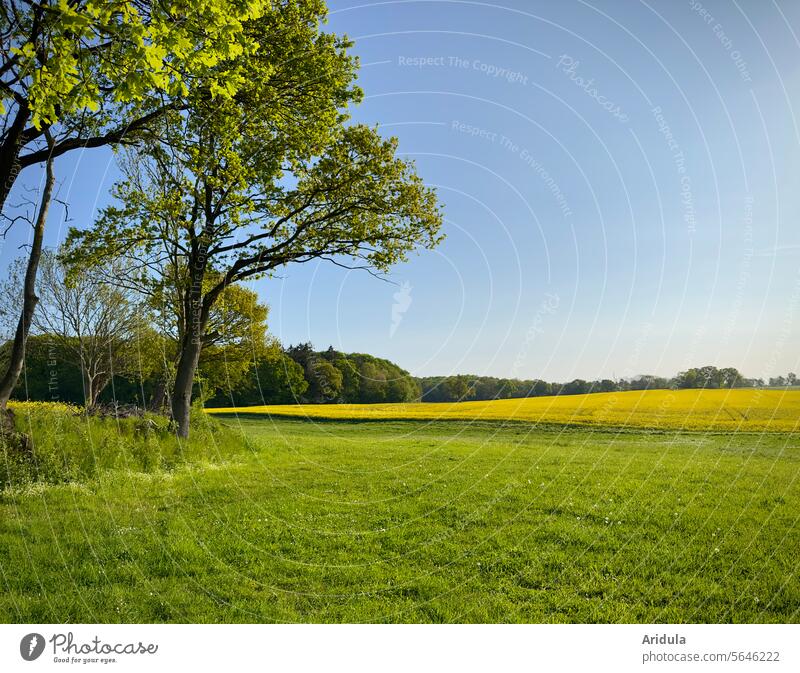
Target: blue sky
[(619, 183)]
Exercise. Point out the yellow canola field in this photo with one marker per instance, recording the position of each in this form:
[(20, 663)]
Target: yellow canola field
[(721, 410)]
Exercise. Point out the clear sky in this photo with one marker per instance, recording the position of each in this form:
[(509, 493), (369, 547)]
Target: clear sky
[(619, 182)]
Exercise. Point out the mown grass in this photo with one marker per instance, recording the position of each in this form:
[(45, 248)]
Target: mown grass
[(742, 409), (419, 522)]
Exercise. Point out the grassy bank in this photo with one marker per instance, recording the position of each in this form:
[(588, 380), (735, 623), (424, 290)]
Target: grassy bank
[(70, 446), (419, 522), (745, 409)]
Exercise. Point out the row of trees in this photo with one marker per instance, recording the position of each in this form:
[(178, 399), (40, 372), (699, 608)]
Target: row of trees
[(237, 159), (781, 381), (120, 359), (57, 368), (465, 387)]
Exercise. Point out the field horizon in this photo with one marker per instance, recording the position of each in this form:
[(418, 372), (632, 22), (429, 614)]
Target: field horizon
[(704, 410)]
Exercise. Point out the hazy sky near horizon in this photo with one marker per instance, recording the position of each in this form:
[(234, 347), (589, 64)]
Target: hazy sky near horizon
[(619, 182)]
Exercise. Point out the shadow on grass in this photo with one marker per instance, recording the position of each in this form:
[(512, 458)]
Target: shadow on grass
[(489, 423)]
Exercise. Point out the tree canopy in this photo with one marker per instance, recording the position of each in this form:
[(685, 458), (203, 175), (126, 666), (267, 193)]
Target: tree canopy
[(98, 72)]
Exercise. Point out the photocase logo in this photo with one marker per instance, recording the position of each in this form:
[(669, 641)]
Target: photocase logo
[(569, 66), (402, 301), (31, 646)]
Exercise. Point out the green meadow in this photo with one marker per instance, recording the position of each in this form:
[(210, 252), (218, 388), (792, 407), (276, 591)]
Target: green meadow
[(413, 521)]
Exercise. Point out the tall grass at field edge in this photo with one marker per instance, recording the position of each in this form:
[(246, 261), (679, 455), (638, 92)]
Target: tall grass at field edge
[(68, 445)]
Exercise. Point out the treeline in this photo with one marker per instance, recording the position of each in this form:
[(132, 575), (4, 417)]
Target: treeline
[(466, 387), (301, 374), (55, 370)]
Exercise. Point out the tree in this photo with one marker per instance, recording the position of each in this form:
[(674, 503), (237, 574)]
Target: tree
[(374, 384), (484, 388), (541, 388), (301, 353), (97, 72), (324, 380), (274, 379), (247, 186), (606, 386), (575, 387), (401, 387), (730, 377), (351, 378), (29, 300), (49, 374), (456, 388), (233, 339), (687, 379), (92, 324), (365, 378), (709, 377), (280, 379)]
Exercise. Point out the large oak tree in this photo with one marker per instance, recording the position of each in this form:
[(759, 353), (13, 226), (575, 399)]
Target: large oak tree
[(239, 188)]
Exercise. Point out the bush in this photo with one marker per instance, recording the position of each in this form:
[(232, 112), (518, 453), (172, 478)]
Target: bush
[(69, 445)]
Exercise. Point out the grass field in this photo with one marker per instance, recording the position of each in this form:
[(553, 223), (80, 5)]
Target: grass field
[(745, 409), (418, 522)]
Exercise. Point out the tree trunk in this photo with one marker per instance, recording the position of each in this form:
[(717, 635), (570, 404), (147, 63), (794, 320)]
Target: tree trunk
[(93, 385), (184, 379), (29, 300), (196, 308), (9, 154), (87, 388), (94, 393), (191, 345), (158, 399), (99, 384)]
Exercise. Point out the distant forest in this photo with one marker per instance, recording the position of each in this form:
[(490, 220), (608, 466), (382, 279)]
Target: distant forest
[(53, 371)]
